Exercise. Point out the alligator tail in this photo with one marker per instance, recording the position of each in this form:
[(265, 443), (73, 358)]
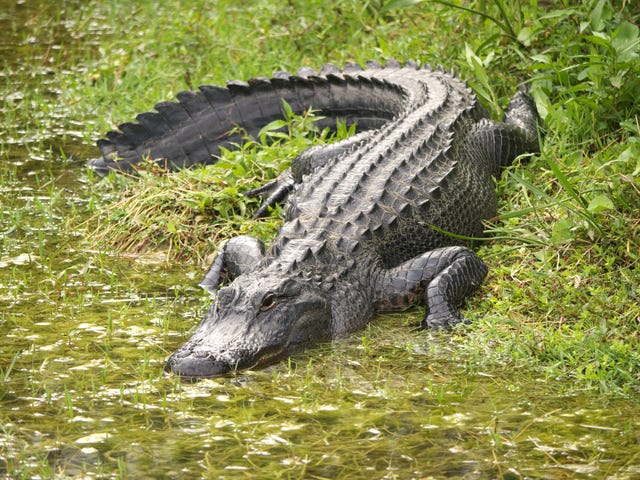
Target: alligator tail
[(193, 129)]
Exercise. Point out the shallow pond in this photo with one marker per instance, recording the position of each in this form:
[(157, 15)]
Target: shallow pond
[(84, 336)]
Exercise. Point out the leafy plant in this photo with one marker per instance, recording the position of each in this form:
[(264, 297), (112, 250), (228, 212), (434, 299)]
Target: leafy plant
[(503, 21), (189, 212)]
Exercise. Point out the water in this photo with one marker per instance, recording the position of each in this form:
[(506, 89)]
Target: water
[(85, 334)]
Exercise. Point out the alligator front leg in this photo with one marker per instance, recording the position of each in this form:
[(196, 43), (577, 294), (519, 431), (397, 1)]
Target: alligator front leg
[(273, 192), (442, 278), (236, 256)]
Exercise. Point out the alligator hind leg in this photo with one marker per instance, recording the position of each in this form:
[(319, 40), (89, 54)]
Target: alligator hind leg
[(442, 278), (451, 287), (499, 143), (237, 255)]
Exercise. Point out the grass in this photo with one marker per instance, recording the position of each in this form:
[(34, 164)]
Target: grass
[(566, 244), (186, 215)]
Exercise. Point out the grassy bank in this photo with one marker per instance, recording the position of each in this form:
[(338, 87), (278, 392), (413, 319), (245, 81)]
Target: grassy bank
[(563, 293)]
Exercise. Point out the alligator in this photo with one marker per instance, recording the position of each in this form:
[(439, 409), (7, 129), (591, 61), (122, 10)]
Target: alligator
[(375, 223)]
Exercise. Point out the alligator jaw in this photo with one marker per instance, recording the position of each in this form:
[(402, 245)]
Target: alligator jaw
[(195, 367)]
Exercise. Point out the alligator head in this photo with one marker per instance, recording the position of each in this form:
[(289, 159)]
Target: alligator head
[(254, 321)]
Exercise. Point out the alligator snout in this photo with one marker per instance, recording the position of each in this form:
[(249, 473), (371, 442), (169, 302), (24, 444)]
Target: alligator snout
[(194, 365)]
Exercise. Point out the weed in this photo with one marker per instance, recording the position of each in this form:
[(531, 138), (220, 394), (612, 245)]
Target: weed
[(189, 212)]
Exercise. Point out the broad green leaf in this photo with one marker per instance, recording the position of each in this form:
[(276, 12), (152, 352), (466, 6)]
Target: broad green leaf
[(525, 35), (271, 127), (562, 231), (599, 15), (617, 80), (559, 14), (599, 39), (399, 4), (600, 203), (541, 58), (626, 42), (542, 102), (481, 84)]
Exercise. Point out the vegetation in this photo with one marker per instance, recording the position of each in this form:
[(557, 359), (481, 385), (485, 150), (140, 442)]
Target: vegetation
[(563, 290), (187, 214), (97, 276)]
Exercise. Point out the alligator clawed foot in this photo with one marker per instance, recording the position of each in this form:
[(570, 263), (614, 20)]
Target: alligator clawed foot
[(443, 319), (273, 192)]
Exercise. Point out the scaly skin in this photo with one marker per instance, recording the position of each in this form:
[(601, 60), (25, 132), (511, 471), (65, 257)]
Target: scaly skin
[(359, 234)]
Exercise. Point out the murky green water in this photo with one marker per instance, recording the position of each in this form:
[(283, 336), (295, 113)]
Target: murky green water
[(84, 336)]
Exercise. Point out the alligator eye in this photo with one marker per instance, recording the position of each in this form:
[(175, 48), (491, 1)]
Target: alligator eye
[(268, 302)]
